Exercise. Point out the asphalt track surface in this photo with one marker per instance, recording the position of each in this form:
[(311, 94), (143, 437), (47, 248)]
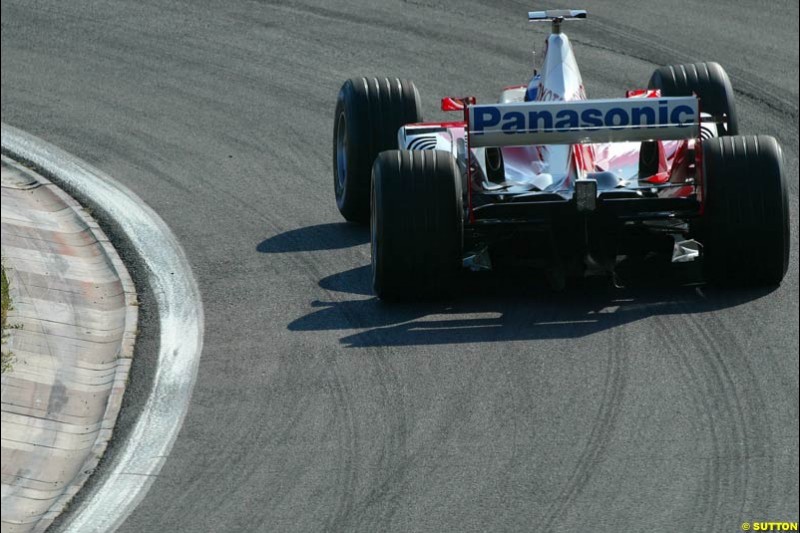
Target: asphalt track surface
[(653, 408)]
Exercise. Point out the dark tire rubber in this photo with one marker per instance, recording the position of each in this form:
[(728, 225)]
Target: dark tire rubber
[(710, 82), (369, 111), (745, 224), (417, 223)]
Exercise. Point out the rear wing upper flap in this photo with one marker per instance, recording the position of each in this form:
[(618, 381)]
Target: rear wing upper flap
[(583, 121), (554, 14)]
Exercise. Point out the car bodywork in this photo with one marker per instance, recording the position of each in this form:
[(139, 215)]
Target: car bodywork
[(572, 191)]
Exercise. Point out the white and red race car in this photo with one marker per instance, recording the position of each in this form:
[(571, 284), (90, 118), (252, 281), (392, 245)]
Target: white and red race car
[(549, 178)]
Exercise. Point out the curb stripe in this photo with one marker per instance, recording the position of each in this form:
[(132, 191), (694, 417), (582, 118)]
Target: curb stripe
[(180, 315)]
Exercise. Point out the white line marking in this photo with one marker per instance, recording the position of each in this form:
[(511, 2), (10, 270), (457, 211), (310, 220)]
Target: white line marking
[(181, 320)]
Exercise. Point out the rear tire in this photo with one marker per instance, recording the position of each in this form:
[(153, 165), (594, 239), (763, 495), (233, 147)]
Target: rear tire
[(745, 223), (416, 224), (369, 111), (710, 82)]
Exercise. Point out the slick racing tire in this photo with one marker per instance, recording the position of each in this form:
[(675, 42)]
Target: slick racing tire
[(416, 223), (369, 111), (745, 223), (711, 84)]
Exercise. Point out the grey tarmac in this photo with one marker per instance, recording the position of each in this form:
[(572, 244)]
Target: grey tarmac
[(316, 407)]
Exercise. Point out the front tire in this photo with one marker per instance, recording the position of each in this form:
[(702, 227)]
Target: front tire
[(711, 84), (369, 111), (416, 223), (745, 224)]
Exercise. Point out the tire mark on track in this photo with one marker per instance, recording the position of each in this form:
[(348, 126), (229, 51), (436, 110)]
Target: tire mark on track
[(745, 401), (395, 25), (393, 454), (713, 361), (377, 508), (600, 436), (348, 451), (696, 385), (353, 511)]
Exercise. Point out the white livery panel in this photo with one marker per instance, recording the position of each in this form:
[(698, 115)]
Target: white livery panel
[(584, 121)]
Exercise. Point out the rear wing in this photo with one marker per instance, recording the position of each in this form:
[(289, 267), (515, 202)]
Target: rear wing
[(554, 14), (583, 121)]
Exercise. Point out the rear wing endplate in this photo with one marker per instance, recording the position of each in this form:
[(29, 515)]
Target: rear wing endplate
[(583, 121)]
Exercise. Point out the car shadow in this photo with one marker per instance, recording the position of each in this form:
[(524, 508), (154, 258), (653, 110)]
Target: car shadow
[(510, 305), (331, 236), (501, 307), (353, 281)]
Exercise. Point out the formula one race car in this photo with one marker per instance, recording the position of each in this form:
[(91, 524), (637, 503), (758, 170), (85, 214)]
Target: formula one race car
[(548, 178)]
